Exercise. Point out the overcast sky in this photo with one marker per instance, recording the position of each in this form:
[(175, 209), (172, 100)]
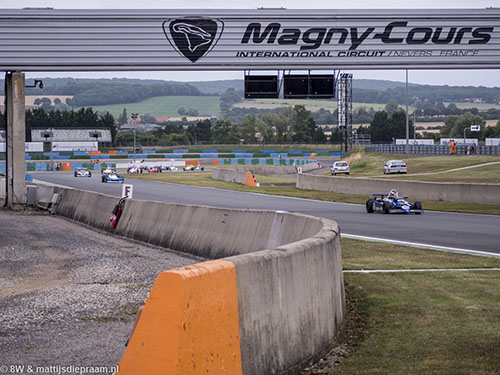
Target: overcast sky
[(488, 78)]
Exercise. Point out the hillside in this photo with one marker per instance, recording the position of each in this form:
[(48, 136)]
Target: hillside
[(98, 92), (166, 106)]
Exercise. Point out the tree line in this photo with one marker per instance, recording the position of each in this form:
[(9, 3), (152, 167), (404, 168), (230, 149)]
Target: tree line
[(388, 125), (291, 125), (84, 118)]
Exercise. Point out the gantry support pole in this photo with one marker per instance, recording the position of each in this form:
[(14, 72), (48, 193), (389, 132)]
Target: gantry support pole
[(16, 138)]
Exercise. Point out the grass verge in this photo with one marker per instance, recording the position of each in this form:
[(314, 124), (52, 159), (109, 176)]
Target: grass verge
[(205, 179), (417, 323), (371, 164)]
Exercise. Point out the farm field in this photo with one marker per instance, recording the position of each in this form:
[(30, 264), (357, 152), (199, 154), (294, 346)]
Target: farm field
[(166, 106), (479, 106), (311, 105), (427, 125)]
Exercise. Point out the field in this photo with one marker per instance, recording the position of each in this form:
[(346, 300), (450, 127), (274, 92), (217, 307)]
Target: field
[(431, 168), (419, 322), (479, 106), (166, 106), (311, 105), (427, 125)]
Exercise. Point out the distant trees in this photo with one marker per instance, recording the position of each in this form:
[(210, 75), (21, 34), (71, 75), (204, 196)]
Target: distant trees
[(83, 118), (123, 118), (385, 128), (188, 112), (103, 93), (454, 127), (230, 97)]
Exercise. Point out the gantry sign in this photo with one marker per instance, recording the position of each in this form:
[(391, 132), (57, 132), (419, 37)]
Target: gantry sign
[(63, 40)]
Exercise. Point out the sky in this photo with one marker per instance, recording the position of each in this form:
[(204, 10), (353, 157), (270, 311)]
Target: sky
[(488, 78)]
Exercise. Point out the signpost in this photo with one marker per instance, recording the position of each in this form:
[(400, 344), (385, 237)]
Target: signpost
[(472, 128), (127, 191)]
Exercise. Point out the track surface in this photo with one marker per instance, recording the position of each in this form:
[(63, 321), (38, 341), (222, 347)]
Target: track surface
[(461, 231)]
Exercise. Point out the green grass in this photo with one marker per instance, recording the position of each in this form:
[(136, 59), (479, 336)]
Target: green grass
[(419, 323), (205, 179), (364, 255), (166, 106), (489, 174), (425, 323), (372, 163)]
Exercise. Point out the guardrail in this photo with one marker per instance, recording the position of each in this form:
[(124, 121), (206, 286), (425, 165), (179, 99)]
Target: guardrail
[(432, 149), (271, 302)]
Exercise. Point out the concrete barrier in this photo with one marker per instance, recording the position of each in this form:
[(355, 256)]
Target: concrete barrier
[(3, 188), (291, 303), (288, 285), (269, 169), (415, 190), (238, 173), (196, 298), (229, 175)]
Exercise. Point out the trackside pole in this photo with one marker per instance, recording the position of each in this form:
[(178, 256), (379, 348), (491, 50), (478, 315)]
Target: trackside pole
[(16, 137)]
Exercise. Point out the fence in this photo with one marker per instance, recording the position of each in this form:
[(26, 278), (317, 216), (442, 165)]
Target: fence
[(432, 149)]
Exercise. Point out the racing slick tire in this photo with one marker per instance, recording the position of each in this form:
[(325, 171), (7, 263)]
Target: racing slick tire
[(418, 206), (369, 206), (75, 174), (387, 208), (90, 174), (103, 179)]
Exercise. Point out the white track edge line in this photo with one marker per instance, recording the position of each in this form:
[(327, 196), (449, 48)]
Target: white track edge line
[(420, 245), (423, 270)]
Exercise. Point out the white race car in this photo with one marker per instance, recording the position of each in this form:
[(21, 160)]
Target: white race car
[(108, 171), (82, 172)]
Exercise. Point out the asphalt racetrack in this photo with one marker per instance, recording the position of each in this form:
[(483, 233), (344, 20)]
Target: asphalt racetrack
[(441, 229)]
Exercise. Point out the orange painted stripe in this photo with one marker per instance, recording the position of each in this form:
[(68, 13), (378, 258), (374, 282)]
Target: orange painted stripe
[(189, 324), (192, 162)]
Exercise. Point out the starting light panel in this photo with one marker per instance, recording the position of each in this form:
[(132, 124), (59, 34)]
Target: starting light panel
[(309, 87), (261, 87)]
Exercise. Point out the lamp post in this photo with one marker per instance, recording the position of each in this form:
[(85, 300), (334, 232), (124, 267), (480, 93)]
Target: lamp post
[(134, 118), (49, 134)]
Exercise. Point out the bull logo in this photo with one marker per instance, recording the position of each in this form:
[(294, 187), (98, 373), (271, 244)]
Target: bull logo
[(193, 38)]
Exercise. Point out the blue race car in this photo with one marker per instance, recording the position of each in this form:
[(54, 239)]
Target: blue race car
[(112, 177), (392, 203)]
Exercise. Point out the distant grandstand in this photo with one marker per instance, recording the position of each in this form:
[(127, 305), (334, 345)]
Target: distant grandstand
[(72, 135)]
